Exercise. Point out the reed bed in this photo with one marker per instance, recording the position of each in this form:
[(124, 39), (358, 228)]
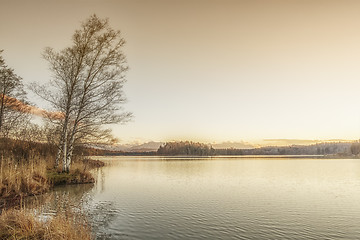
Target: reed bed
[(22, 178), (22, 224), (27, 169)]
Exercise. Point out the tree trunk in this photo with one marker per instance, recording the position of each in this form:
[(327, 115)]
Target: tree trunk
[(70, 152), (72, 141), (60, 149), (66, 168), (2, 110), (58, 156), (64, 146)]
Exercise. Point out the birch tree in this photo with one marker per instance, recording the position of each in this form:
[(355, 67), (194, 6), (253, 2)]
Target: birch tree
[(87, 85)]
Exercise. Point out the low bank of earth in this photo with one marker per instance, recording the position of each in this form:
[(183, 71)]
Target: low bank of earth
[(21, 182), (79, 175)]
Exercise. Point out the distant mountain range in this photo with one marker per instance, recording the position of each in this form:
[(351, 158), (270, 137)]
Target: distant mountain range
[(237, 145), (154, 146), (144, 147)]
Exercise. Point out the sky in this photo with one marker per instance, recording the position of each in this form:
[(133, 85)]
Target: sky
[(212, 70)]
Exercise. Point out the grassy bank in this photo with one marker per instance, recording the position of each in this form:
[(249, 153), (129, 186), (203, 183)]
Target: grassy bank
[(21, 224), (79, 173), (27, 169), (19, 179)]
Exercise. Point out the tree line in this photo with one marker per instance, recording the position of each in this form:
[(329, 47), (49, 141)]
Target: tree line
[(186, 148)]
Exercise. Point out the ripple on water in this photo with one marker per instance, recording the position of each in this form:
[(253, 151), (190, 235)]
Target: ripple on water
[(226, 199)]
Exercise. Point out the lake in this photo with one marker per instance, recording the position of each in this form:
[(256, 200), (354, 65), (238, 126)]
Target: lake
[(220, 198)]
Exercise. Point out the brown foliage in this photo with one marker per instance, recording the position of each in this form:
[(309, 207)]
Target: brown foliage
[(21, 224), (22, 151), (92, 163), (18, 180)]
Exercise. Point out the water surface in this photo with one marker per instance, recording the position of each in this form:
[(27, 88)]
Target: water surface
[(222, 198)]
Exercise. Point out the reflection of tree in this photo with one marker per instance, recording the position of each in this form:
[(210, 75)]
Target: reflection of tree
[(99, 175), (355, 148), (61, 199), (78, 199), (71, 196)]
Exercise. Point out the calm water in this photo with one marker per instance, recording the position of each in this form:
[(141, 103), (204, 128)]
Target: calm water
[(222, 198)]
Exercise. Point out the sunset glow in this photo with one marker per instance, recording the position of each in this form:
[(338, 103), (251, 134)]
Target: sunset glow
[(212, 71), (26, 108)]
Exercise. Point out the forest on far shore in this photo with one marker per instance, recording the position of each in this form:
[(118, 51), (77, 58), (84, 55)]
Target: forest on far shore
[(188, 148)]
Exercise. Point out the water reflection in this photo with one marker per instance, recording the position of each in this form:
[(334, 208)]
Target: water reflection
[(156, 198), (60, 198)]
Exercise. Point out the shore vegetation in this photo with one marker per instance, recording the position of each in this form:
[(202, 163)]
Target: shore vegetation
[(22, 224), (85, 93)]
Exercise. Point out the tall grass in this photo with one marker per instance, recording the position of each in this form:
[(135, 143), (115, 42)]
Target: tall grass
[(21, 224), (22, 178), (27, 168), (23, 167)]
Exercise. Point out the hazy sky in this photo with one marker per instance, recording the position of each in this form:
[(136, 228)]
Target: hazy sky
[(212, 70)]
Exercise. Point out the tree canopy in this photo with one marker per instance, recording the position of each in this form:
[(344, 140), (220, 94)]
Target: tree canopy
[(87, 84), (12, 96)]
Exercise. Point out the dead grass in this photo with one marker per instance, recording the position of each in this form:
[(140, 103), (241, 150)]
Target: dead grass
[(21, 224), (36, 175), (20, 179), (26, 169), (93, 163)]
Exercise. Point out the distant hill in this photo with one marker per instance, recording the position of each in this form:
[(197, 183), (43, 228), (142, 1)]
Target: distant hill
[(108, 147), (237, 145), (226, 148), (314, 149), (145, 147)]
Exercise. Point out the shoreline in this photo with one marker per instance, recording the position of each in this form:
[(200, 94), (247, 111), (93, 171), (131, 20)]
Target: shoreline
[(328, 156), (52, 178), (19, 222)]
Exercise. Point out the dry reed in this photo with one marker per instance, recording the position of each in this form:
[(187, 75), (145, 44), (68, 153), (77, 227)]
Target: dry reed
[(19, 179), (21, 224)]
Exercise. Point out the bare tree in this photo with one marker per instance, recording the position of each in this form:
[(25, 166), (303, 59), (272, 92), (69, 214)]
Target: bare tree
[(12, 98), (87, 84)]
